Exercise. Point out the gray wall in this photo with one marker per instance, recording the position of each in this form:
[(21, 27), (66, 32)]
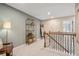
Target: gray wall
[(17, 32)]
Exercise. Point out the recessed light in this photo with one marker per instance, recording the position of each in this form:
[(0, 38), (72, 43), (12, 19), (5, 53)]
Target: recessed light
[(48, 13)]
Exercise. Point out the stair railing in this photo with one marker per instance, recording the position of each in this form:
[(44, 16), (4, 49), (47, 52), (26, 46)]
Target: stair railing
[(60, 41)]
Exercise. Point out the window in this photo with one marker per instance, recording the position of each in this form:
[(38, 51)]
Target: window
[(68, 26)]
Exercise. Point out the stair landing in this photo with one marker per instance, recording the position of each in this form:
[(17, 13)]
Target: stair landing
[(36, 49)]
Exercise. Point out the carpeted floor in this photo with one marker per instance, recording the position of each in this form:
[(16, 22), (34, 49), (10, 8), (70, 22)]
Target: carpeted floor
[(36, 49)]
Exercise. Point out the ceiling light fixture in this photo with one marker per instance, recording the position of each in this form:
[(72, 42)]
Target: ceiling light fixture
[(48, 13)]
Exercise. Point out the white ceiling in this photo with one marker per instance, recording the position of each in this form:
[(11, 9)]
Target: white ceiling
[(40, 10)]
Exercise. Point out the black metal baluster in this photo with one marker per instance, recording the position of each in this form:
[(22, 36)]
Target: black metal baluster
[(65, 42), (59, 42), (54, 43), (56, 40), (73, 45), (71, 41), (68, 42)]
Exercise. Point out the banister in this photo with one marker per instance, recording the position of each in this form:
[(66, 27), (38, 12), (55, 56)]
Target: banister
[(57, 42), (63, 33), (59, 33)]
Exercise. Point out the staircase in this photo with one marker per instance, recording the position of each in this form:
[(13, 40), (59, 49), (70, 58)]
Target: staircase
[(60, 41)]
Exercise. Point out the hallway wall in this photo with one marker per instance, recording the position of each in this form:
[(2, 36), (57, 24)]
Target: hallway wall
[(17, 18), (52, 25), (77, 30), (56, 25)]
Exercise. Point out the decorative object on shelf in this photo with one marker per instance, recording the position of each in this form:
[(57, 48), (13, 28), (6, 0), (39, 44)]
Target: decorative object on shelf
[(30, 31), (30, 38)]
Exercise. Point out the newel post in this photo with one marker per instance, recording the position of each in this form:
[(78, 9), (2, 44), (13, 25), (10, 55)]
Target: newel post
[(44, 39)]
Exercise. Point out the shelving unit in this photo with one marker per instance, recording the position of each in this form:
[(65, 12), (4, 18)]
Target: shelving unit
[(30, 31)]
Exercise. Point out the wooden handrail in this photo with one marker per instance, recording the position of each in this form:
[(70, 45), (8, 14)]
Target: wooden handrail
[(56, 42), (63, 33)]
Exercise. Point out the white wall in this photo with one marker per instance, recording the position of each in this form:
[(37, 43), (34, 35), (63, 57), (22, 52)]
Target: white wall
[(52, 25), (56, 25), (17, 19), (77, 30)]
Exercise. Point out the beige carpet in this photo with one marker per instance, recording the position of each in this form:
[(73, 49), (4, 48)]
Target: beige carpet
[(36, 49)]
